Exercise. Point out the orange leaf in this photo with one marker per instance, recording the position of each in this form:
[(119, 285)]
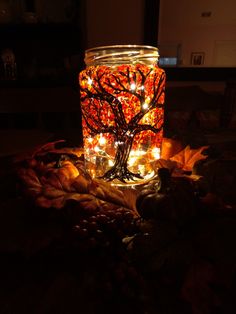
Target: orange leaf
[(187, 157), (170, 147)]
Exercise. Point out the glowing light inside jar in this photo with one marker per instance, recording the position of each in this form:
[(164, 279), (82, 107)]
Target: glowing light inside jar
[(102, 140), (90, 81), (132, 86), (156, 152), (145, 106)]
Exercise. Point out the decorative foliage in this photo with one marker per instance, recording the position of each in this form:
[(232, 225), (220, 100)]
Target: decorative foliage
[(170, 147), (52, 177), (180, 258), (187, 157)]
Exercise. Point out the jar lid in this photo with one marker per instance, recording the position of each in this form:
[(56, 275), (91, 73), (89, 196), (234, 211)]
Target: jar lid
[(121, 54)]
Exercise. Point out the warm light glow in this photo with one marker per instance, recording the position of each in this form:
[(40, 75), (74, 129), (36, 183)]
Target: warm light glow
[(132, 161), (96, 149), (145, 106), (90, 81), (134, 157), (132, 86), (102, 140), (118, 143), (142, 169), (110, 163), (156, 153)]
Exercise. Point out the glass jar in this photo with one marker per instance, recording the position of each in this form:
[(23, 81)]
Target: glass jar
[(122, 93)]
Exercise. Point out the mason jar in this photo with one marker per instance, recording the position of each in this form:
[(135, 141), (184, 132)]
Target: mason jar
[(122, 92)]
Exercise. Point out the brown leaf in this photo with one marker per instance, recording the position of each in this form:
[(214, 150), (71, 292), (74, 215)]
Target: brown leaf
[(81, 184), (50, 186), (51, 193), (107, 192)]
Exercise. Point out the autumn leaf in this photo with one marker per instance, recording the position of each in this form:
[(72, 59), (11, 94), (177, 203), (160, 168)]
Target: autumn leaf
[(52, 187), (170, 147), (187, 157)]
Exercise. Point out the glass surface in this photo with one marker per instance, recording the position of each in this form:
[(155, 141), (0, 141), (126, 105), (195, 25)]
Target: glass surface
[(122, 102)]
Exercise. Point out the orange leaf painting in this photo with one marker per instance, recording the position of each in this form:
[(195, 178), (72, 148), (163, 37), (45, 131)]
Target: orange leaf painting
[(187, 157)]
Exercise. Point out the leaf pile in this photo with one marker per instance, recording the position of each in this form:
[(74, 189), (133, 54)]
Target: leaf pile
[(51, 177), (188, 268)]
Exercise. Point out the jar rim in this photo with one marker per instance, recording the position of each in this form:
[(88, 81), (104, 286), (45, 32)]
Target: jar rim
[(120, 53), (125, 46)]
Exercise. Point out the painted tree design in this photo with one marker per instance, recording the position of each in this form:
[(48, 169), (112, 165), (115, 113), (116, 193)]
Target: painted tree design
[(122, 103)]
